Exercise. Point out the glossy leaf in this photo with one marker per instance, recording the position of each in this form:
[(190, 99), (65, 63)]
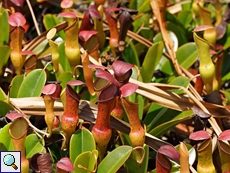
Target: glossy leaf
[(15, 86), (5, 139), (33, 145), (158, 38), (180, 81), (63, 59), (87, 160), (65, 78), (200, 135), (131, 166), (186, 56), (50, 21), (5, 54), (114, 160), (2, 95), (32, 84), (130, 55), (154, 113), (4, 27), (81, 141), (4, 108), (185, 17), (144, 165), (151, 60), (163, 128)]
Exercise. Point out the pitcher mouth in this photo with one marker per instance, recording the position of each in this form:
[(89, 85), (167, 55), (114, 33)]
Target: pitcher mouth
[(11, 126), (108, 93)]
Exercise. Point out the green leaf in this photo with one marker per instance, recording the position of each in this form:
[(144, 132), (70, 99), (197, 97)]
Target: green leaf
[(151, 60), (4, 108), (4, 27), (33, 145), (5, 54), (50, 21), (87, 160), (179, 31), (2, 95), (154, 113), (132, 166), (65, 78), (32, 84), (114, 160), (144, 165), (135, 74), (55, 152), (140, 101), (163, 128), (158, 37), (81, 141), (186, 56), (15, 85), (63, 59), (5, 139), (130, 54), (185, 17), (180, 81)]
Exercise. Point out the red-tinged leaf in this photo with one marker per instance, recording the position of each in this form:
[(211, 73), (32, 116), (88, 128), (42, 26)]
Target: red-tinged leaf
[(97, 66), (28, 53), (198, 1), (199, 135), (106, 75), (225, 135), (85, 35), (128, 89), (19, 3), (68, 14), (75, 83), (200, 113), (202, 28), (170, 151), (94, 12), (213, 52), (121, 67), (219, 47), (49, 89), (111, 9), (65, 164), (17, 19), (14, 115), (66, 3)]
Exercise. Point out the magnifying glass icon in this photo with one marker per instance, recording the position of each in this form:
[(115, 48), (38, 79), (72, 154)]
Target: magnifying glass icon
[(9, 160)]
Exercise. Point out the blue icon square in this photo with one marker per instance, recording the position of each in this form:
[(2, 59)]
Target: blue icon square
[(10, 161)]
